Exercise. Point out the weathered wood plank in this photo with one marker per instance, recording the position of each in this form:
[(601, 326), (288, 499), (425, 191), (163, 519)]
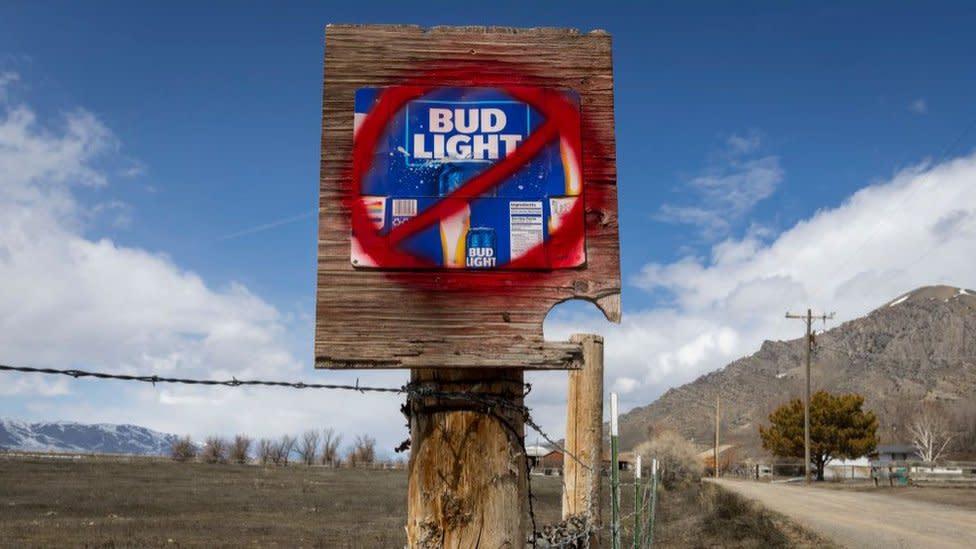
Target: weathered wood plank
[(371, 319)]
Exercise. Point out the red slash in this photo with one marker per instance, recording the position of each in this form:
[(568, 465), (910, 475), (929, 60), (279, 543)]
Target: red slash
[(562, 120)]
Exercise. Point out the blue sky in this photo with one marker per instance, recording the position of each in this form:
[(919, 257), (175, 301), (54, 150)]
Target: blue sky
[(762, 147)]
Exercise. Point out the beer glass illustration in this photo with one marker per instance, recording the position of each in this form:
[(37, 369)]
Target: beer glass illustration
[(454, 229)]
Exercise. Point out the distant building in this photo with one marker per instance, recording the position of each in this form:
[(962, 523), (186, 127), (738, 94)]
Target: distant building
[(535, 455), (890, 453), (552, 462), (726, 455), (625, 460), (848, 469)]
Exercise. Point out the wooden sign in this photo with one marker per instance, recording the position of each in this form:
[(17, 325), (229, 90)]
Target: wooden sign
[(468, 184)]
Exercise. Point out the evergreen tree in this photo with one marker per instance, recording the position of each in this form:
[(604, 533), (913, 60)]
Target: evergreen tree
[(839, 428)]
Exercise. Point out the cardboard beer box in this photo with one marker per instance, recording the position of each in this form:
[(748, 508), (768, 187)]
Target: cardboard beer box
[(437, 143)]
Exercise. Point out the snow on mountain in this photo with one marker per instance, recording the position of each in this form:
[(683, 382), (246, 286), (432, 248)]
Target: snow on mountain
[(930, 293), (65, 436), (901, 299)]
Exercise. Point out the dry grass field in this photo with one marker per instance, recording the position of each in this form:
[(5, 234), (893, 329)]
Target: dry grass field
[(162, 504), (156, 503)]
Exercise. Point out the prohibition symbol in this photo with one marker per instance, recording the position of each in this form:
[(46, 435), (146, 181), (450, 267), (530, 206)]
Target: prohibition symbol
[(561, 122)]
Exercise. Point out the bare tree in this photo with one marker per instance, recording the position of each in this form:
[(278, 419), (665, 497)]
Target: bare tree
[(266, 451), (182, 449), (214, 450), (283, 449), (240, 449), (330, 447), (308, 446), (363, 451), (930, 431)]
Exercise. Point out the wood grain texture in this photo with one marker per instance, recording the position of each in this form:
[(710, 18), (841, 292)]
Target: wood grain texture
[(468, 475), (370, 319), (584, 435)]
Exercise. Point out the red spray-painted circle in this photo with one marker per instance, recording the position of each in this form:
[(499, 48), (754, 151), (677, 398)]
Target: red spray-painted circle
[(562, 121)]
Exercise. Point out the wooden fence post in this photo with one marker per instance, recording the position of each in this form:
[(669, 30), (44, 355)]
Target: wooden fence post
[(467, 472), (584, 434)]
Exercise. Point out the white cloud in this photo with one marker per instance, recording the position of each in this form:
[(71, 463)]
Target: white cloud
[(6, 78), (919, 106), (729, 189), (71, 301), (133, 169), (624, 384), (16, 385), (918, 228), (743, 144), (121, 213)]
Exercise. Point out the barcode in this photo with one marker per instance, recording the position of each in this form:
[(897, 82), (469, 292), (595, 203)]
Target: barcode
[(404, 208)]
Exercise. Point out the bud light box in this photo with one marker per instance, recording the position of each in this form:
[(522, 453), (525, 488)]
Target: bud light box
[(437, 143)]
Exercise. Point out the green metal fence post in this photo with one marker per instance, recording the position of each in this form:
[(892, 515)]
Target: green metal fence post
[(614, 475), (638, 504), (650, 530)]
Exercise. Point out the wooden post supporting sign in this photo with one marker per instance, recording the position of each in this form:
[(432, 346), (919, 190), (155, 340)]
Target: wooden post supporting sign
[(467, 467)]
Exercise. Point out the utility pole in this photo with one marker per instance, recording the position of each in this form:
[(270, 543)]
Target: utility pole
[(806, 401), (716, 435)]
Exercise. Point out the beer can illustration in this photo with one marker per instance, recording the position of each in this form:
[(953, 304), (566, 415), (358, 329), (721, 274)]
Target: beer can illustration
[(456, 174), (481, 248)]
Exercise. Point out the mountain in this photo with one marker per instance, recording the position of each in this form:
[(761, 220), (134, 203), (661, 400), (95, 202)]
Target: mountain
[(63, 436), (919, 346)]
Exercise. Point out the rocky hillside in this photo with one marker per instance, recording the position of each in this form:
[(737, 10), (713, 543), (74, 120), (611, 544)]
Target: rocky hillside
[(64, 436), (921, 345)]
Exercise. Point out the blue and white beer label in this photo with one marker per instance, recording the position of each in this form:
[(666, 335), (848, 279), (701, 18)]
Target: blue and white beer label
[(438, 142)]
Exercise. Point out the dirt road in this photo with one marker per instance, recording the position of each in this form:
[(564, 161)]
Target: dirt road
[(855, 519)]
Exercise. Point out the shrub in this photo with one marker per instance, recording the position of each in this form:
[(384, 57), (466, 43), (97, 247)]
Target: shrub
[(736, 519), (240, 449), (363, 451), (182, 449), (266, 450), (214, 450), (677, 458), (282, 450), (330, 447), (308, 447)]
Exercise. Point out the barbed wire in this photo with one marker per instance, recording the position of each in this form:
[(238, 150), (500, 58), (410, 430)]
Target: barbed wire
[(409, 389), (233, 382), (490, 404)]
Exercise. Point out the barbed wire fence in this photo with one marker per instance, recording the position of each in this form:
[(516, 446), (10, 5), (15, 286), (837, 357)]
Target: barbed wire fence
[(574, 532)]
